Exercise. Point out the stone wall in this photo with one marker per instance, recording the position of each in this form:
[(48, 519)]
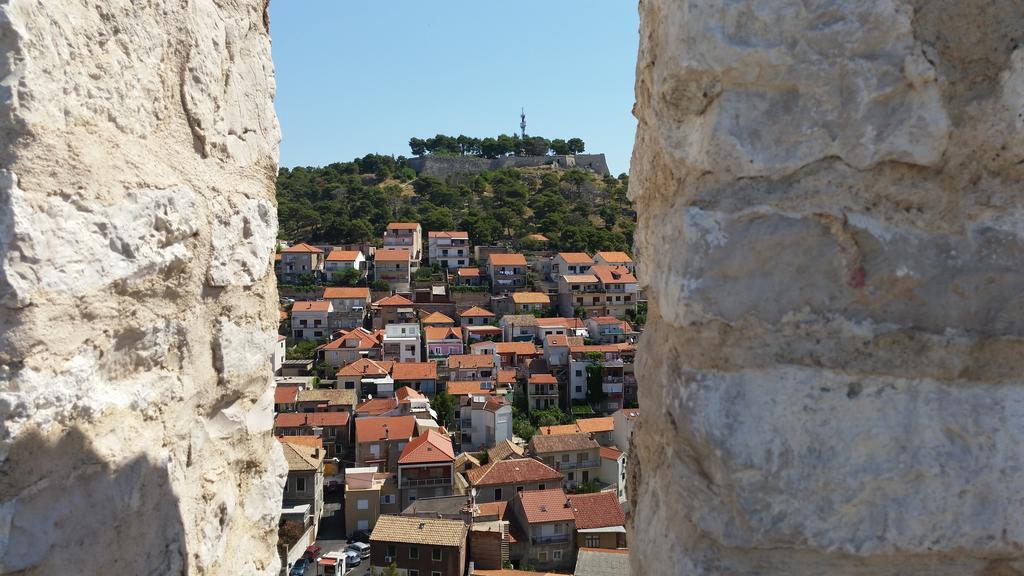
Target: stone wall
[(832, 230), (445, 166), (137, 303)]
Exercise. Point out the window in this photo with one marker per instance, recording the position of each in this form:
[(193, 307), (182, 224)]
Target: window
[(593, 542), (375, 450), (579, 373), (497, 494), (435, 554), (318, 334), (579, 389), (541, 487), (362, 524), (414, 573), (519, 489), (363, 504), (300, 484), (586, 476), (572, 476), (542, 555), (556, 555), (414, 553), (387, 499), (565, 457), (435, 573), (559, 528)]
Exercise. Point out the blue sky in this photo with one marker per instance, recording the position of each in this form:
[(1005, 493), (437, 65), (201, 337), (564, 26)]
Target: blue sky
[(359, 77)]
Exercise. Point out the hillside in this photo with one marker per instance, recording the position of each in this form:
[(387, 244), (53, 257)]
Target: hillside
[(352, 202)]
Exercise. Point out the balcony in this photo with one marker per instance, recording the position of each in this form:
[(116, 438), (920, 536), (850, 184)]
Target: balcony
[(576, 465), (414, 482), (555, 539)]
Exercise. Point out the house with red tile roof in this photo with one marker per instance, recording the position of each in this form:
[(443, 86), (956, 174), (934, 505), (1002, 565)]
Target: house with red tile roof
[(610, 330), (449, 249), (541, 391), (300, 259), (530, 302), (507, 272), (367, 376), (471, 367), (338, 261), (406, 236), (310, 319), (394, 309), (600, 520), (615, 259), (334, 428), (394, 266), (613, 471), (420, 376), (485, 420), (436, 319), (378, 407), (442, 342), (614, 362), (353, 345), (351, 306), (544, 526), (380, 441), (475, 316), (285, 398), (500, 481), (569, 263), (426, 467), (603, 291), (467, 276), (576, 456)]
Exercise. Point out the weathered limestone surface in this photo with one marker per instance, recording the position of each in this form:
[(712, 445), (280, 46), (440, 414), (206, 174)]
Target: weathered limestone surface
[(832, 236), (138, 147)]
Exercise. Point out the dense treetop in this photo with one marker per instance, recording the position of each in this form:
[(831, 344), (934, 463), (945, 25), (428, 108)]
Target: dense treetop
[(503, 145), (350, 202)]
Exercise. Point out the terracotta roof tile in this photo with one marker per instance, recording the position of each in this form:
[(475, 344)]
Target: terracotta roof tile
[(376, 429), (302, 248), (513, 471), (340, 397), (435, 333), (351, 293), (343, 255), (545, 506), (476, 312), (504, 450), (430, 447), (470, 361), (507, 260), (468, 272), (403, 225), (613, 274), (468, 387), (448, 234), (376, 406), (437, 318), (576, 257), (416, 530), (391, 255), (311, 306), (366, 367), (547, 444), (543, 379), (393, 300), (609, 453), (300, 456), (595, 425), (530, 298), (414, 371), (286, 394), (522, 348), (560, 429), (310, 419), (615, 257), (597, 510)]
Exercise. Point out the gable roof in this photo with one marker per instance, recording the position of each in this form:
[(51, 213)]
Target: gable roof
[(403, 225), (523, 348), (542, 379), (310, 419), (414, 371), (434, 333), (311, 306), (366, 367), (416, 530), (576, 257), (376, 406), (301, 248), (343, 255), (447, 234), (559, 429), (391, 255), (364, 340), (507, 260), (391, 427), (580, 278), (504, 450), (546, 444), (512, 471), (430, 447), (345, 292), (609, 453), (530, 298), (597, 510), (545, 506), (615, 257), (595, 425), (285, 394), (476, 312), (471, 361), (406, 395), (468, 272), (339, 397), (436, 318), (613, 274), (468, 387), (393, 300)]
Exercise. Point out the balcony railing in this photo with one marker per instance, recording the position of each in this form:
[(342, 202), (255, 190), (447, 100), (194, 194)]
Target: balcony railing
[(576, 464), (556, 539), (409, 482)]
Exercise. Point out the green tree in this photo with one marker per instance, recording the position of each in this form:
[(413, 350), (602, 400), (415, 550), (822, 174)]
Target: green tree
[(559, 146), (438, 219), (347, 277), (575, 145), (444, 404), (302, 350)]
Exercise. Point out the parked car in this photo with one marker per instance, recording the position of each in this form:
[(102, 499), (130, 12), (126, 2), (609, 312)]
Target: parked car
[(300, 567), (352, 558), (311, 553), (361, 548), (360, 536)]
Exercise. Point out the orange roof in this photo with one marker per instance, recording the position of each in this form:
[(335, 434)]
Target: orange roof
[(447, 234), (434, 333), (567, 323), (311, 306), (576, 257), (403, 225), (377, 429), (414, 371), (468, 387), (595, 425), (615, 257), (366, 367), (507, 259), (630, 413), (476, 312), (282, 315), (603, 348), (522, 348), (514, 471), (493, 509), (302, 248), (354, 292), (530, 298), (406, 395), (393, 300), (430, 447), (468, 272), (559, 429), (376, 406), (470, 361), (507, 376), (613, 274), (308, 419), (437, 318), (609, 453), (597, 510), (311, 441), (364, 340), (546, 506), (580, 278), (391, 255), (286, 394), (556, 340), (343, 255), (537, 237), (543, 379)]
